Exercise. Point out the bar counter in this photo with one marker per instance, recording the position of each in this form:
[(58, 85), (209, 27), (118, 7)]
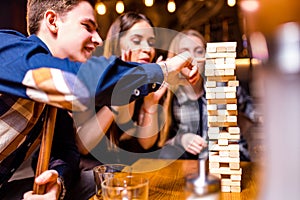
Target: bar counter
[(167, 179)]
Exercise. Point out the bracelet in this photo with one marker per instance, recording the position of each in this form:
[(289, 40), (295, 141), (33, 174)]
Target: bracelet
[(164, 68), (167, 72), (151, 113), (63, 188)]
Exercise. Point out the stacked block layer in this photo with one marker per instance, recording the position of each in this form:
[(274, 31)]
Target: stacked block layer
[(223, 130)]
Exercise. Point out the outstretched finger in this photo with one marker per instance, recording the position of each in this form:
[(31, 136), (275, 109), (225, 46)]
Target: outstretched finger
[(160, 58), (126, 55)]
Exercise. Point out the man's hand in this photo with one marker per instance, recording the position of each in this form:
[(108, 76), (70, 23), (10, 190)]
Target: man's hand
[(53, 186), (173, 66)]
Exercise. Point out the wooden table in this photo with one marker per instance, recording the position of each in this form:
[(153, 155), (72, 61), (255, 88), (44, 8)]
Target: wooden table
[(167, 179)]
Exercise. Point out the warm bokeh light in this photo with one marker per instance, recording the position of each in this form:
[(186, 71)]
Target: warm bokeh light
[(231, 3), (249, 5), (100, 8), (259, 46), (149, 3), (120, 7), (171, 6), (288, 52)]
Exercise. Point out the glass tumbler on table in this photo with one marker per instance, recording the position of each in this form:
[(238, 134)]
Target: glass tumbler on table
[(133, 187), (106, 171)]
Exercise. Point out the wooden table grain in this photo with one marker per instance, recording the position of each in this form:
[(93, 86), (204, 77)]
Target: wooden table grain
[(167, 179)]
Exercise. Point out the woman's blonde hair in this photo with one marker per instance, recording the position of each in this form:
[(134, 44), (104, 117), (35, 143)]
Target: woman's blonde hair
[(173, 51)]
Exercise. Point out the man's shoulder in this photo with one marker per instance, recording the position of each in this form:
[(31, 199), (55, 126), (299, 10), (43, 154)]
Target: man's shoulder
[(10, 33)]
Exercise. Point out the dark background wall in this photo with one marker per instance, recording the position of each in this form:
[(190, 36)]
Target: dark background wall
[(13, 15)]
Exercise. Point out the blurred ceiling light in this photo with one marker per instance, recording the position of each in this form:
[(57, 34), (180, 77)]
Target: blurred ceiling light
[(249, 5), (171, 6), (149, 3), (231, 3), (120, 7), (100, 8)]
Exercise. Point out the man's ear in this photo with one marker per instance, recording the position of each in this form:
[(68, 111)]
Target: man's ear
[(51, 21)]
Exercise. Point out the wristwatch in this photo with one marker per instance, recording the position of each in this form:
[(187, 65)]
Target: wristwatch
[(63, 188)]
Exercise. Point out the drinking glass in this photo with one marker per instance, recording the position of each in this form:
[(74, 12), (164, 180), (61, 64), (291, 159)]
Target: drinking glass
[(105, 171), (133, 187)]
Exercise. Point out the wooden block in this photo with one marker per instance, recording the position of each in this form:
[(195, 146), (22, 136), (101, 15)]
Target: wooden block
[(234, 154), (234, 165), (223, 142), (231, 119), (220, 55), (230, 79), (221, 44), (210, 95), (235, 183), (235, 189), (220, 95), (222, 101), (210, 61), (231, 106), (219, 72), (219, 61), (230, 89), (210, 66), (212, 119), (211, 49), (229, 182), (229, 136), (229, 60), (221, 124), (213, 146), (213, 130), (224, 153), (216, 136), (224, 135), (226, 181), (212, 107), (235, 173), (233, 130), (211, 90), (234, 137), (221, 49), (209, 84), (225, 188), (228, 72), (221, 118), (221, 89), (214, 165), (221, 112), (230, 95), (220, 65), (213, 136), (217, 158), (236, 177), (231, 49), (209, 72), (233, 83)]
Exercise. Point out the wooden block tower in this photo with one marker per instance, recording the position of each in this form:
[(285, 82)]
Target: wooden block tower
[(223, 130)]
